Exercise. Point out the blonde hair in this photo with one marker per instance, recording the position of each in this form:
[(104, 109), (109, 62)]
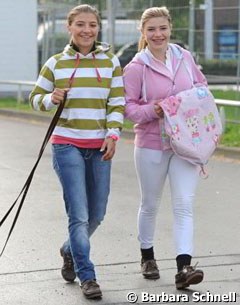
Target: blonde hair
[(83, 8), (149, 13)]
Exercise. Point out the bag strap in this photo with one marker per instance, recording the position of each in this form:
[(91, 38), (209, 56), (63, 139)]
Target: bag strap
[(27, 184)]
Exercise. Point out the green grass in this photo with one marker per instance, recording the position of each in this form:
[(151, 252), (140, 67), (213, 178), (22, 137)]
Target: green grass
[(226, 95), (11, 103), (128, 124), (231, 136)]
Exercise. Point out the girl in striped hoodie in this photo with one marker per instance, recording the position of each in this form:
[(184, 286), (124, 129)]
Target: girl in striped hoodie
[(84, 139)]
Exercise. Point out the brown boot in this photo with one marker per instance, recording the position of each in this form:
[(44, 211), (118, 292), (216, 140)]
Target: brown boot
[(150, 269), (91, 289), (67, 270), (188, 276)]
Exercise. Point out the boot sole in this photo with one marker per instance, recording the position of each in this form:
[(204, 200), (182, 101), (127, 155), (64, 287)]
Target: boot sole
[(192, 280), (93, 296), (151, 277)]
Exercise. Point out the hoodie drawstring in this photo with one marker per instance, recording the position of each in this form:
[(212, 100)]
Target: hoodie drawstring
[(76, 66), (144, 92), (70, 82), (96, 69)]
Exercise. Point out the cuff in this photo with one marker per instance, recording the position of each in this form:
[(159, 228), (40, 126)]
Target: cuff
[(47, 102), (113, 133), (113, 137)]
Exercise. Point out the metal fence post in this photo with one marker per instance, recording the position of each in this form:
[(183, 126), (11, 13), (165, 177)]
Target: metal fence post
[(111, 23), (19, 94), (191, 25), (223, 117), (208, 29), (238, 53)]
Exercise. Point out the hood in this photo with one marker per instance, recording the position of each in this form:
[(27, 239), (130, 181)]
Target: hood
[(142, 58), (99, 47)]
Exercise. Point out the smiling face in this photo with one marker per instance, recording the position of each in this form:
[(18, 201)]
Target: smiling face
[(84, 30), (157, 32)]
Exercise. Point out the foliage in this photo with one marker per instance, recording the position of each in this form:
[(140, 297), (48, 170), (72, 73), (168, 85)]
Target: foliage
[(231, 136), (73, 2), (219, 67)]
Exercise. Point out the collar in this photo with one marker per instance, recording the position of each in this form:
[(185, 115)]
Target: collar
[(76, 48), (168, 55)]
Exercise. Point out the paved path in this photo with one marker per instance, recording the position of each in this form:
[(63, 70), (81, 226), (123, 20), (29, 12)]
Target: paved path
[(30, 266)]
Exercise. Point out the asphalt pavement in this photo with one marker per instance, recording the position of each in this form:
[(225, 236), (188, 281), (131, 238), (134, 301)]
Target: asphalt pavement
[(30, 266)]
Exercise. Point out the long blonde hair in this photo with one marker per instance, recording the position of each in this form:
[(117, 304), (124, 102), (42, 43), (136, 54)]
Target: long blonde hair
[(149, 13)]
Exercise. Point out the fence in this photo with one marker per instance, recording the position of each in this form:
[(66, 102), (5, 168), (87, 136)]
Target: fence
[(20, 88), (210, 28), (220, 102)]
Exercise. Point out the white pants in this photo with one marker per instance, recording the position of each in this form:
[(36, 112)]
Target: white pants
[(152, 168)]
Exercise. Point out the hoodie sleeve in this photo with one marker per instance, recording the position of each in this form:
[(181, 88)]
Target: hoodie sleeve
[(40, 97), (116, 101), (137, 110), (198, 77)]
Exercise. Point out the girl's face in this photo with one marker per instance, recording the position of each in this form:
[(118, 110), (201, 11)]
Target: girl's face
[(84, 30), (157, 32)]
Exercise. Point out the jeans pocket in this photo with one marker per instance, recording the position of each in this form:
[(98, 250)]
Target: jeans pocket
[(61, 154), (60, 147)]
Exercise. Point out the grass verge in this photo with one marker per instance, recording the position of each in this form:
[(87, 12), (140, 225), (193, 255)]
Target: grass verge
[(231, 136)]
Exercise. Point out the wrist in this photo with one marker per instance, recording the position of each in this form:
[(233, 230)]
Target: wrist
[(113, 137)]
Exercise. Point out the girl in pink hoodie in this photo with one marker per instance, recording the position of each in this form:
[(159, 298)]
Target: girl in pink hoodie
[(161, 69)]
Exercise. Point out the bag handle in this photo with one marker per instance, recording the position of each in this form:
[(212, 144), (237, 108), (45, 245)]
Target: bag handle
[(27, 184)]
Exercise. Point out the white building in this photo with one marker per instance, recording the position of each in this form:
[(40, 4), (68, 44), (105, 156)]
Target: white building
[(18, 43)]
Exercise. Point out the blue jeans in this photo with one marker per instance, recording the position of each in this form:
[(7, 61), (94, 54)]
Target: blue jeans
[(85, 180)]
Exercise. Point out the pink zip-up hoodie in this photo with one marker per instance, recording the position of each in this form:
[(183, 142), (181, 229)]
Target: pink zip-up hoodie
[(146, 83)]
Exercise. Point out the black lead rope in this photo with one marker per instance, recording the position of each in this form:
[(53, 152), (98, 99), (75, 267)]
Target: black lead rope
[(29, 179), (44, 144)]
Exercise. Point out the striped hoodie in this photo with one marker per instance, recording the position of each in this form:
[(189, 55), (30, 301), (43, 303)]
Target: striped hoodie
[(95, 103)]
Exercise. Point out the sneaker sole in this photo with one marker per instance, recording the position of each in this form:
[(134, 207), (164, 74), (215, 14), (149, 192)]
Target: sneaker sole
[(192, 280)]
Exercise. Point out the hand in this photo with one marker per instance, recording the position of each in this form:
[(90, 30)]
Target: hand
[(108, 146), (158, 110), (58, 95)]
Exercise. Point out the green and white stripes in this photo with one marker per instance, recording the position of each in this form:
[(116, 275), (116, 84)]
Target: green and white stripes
[(95, 103)]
